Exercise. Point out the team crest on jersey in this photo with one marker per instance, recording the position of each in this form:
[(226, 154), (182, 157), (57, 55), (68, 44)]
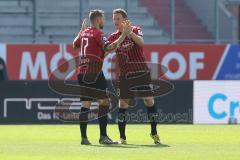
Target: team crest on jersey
[(104, 39)]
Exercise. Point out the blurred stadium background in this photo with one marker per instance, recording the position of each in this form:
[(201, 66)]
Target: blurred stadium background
[(163, 21), (198, 40)]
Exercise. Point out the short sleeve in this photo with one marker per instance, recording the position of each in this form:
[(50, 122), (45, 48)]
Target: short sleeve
[(138, 31)]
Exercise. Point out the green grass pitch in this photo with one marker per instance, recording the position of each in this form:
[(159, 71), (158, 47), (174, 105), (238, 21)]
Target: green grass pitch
[(62, 142)]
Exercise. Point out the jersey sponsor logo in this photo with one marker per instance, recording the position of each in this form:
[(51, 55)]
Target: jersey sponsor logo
[(126, 45)]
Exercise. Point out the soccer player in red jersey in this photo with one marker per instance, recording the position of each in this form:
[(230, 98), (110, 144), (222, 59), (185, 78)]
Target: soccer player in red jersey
[(93, 45), (132, 48)]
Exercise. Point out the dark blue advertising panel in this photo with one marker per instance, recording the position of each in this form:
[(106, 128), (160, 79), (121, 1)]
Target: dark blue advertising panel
[(229, 68), (33, 102)]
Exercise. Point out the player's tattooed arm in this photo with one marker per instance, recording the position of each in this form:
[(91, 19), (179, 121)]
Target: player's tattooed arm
[(136, 38), (110, 47), (76, 40)]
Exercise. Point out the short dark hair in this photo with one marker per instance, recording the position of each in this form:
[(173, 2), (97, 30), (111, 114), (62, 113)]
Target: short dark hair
[(95, 14), (120, 11)]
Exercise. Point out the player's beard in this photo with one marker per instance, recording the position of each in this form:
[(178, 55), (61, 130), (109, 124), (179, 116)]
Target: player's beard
[(101, 26)]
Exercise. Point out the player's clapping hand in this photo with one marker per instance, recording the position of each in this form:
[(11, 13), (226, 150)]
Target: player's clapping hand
[(129, 23), (127, 27), (84, 24)]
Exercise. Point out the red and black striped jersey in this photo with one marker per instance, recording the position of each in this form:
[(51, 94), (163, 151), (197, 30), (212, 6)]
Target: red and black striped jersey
[(130, 56), (91, 43)]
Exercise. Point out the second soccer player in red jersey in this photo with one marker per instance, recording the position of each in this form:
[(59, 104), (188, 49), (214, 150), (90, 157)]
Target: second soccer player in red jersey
[(130, 58)]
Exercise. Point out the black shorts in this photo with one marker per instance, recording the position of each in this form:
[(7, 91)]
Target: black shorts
[(135, 82), (92, 81)]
